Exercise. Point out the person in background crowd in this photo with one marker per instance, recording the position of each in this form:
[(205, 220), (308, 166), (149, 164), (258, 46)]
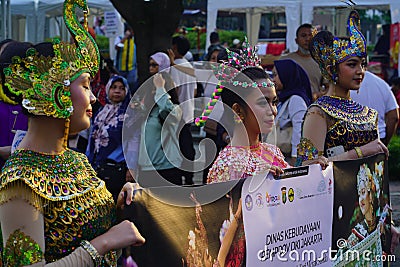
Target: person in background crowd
[(159, 154), (294, 93), (105, 151), (376, 93), (383, 45), (396, 91), (303, 57), (236, 44), (125, 61), (186, 87), (396, 88), (76, 206)]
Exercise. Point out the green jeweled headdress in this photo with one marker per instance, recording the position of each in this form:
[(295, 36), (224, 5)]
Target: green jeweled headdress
[(329, 54), (43, 81)]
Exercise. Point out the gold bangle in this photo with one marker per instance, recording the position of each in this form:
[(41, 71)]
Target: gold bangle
[(358, 152), (97, 258)]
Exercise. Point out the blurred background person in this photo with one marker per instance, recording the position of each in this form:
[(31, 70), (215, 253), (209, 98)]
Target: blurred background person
[(294, 93), (104, 150), (159, 153), (125, 61), (303, 57), (186, 87)]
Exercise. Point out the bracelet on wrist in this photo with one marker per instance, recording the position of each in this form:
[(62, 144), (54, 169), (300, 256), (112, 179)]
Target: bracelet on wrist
[(96, 257), (358, 152)]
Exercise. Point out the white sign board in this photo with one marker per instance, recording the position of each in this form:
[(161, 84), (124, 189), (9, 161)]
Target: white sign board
[(288, 222), (112, 22)]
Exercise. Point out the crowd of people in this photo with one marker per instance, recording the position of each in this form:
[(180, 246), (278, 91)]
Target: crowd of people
[(71, 196)]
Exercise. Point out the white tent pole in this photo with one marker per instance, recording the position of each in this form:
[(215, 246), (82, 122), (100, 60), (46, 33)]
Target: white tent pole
[(292, 23), (3, 20), (253, 19)]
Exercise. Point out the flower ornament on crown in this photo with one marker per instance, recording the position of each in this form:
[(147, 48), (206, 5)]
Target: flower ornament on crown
[(226, 73), (328, 55), (43, 82)]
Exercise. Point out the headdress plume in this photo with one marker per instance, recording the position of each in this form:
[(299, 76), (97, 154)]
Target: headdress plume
[(43, 82), (226, 73)]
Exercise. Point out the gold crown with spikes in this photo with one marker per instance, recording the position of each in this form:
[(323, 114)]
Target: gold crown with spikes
[(43, 82)]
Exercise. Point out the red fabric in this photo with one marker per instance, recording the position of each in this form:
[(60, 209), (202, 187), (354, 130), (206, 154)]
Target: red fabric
[(275, 48)]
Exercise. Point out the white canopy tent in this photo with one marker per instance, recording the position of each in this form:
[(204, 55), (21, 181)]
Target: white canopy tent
[(254, 10), (296, 11), (36, 12)]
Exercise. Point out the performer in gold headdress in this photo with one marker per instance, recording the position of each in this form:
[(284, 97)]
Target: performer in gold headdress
[(346, 129), (53, 208)]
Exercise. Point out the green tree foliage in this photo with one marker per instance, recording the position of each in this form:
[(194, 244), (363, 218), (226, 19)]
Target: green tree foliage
[(394, 162)]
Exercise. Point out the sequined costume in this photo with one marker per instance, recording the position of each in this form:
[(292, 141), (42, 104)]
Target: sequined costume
[(236, 162), (75, 204), (50, 203), (349, 125)]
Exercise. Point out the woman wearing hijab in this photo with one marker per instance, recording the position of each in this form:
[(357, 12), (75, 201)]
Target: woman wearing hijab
[(105, 151), (159, 155), (294, 91)]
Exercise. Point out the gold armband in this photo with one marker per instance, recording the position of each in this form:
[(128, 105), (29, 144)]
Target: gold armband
[(358, 152)]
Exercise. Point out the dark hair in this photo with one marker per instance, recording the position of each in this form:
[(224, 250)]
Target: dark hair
[(214, 37), (305, 25), (395, 81), (223, 54), (211, 49), (5, 41), (182, 44), (11, 48)]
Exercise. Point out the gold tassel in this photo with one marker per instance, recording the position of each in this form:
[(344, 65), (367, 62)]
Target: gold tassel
[(66, 132)]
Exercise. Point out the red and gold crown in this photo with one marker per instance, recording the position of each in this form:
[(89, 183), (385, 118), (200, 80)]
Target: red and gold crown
[(43, 82)]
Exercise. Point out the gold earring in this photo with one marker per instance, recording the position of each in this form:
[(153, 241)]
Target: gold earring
[(238, 118)]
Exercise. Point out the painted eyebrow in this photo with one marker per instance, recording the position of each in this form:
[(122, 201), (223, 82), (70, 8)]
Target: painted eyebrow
[(354, 61)]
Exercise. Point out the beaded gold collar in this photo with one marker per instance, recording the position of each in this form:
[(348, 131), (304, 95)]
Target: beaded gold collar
[(346, 109)]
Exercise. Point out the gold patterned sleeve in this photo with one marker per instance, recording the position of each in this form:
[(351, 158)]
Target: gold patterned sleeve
[(22, 227), (312, 142)]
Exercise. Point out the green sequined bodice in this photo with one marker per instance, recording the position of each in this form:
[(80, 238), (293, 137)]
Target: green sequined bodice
[(75, 203), (354, 125)]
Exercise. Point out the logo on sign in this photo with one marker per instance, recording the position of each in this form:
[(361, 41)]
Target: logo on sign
[(248, 202), (291, 194)]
